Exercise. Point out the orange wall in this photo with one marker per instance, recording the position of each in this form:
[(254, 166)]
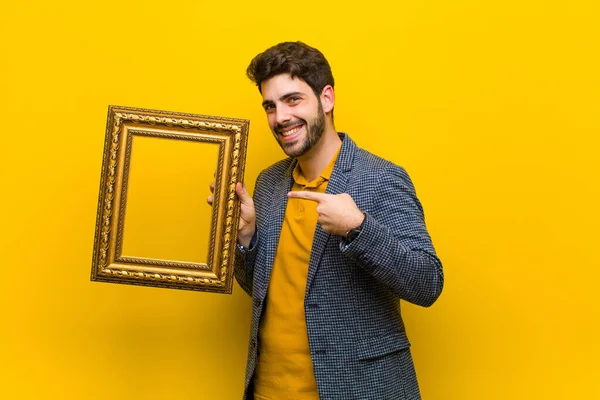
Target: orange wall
[(492, 107)]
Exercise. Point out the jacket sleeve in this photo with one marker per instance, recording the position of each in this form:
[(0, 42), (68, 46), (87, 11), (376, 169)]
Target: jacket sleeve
[(394, 245), (245, 257), (244, 264)]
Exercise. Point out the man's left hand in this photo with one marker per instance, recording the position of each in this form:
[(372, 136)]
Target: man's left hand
[(338, 213)]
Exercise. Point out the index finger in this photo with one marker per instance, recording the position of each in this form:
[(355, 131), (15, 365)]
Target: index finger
[(306, 195)]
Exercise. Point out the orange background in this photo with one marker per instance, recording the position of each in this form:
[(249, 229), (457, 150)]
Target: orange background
[(492, 107)]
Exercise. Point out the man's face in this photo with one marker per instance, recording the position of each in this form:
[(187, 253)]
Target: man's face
[(295, 114)]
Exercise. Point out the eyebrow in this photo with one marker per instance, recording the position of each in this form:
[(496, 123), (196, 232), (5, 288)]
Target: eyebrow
[(282, 98)]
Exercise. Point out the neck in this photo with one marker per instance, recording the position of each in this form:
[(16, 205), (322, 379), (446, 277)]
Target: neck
[(314, 161)]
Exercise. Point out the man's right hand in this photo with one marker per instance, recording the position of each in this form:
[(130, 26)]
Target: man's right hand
[(247, 224)]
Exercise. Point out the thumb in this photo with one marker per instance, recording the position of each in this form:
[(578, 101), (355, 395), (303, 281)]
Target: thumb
[(242, 193)]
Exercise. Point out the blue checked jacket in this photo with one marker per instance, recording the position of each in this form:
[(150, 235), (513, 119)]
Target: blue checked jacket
[(356, 335)]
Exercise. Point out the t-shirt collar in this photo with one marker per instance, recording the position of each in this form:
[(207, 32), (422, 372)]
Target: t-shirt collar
[(324, 176)]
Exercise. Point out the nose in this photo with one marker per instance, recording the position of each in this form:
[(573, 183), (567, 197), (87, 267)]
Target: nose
[(282, 115)]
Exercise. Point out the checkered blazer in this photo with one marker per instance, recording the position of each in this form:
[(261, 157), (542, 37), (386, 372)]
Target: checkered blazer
[(357, 339)]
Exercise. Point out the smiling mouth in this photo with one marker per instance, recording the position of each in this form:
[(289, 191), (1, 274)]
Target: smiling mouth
[(290, 132)]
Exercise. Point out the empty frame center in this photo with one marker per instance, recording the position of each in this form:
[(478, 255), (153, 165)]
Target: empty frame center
[(166, 215)]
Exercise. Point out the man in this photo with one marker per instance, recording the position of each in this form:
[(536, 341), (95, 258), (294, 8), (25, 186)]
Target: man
[(332, 239)]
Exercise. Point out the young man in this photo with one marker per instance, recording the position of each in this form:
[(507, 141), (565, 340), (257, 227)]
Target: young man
[(332, 239)]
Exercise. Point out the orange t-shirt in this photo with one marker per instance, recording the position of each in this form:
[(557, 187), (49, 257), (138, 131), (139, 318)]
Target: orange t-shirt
[(284, 369)]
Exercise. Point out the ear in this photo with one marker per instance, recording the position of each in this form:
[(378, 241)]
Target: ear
[(327, 99)]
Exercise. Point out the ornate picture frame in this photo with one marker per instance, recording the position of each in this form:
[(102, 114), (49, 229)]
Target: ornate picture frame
[(108, 263)]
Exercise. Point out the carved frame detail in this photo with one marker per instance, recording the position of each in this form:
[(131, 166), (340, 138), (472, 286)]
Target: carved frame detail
[(108, 264)]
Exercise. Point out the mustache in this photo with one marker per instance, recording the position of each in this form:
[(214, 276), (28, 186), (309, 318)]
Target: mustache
[(280, 127)]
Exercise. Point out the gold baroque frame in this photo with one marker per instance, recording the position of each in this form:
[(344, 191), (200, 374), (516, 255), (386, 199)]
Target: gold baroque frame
[(108, 264)]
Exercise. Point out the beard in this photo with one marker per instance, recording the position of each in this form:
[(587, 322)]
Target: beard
[(315, 130)]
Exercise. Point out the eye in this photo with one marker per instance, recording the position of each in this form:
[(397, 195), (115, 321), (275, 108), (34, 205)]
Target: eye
[(269, 107), (294, 99)]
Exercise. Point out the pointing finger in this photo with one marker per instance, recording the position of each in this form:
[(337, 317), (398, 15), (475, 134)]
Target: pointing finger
[(318, 197)]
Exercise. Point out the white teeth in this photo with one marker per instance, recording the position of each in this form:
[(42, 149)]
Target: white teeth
[(291, 131)]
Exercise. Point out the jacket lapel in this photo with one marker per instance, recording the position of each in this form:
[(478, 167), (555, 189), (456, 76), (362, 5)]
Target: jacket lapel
[(274, 223), (337, 184)]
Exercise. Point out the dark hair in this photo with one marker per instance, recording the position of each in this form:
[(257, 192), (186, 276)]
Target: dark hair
[(294, 58)]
